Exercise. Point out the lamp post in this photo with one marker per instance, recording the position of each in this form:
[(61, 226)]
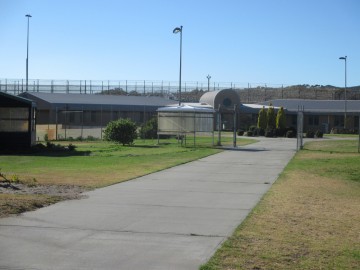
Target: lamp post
[(27, 53), (345, 103), (175, 31), (208, 77)]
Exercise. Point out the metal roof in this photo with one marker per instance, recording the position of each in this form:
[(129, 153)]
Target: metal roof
[(255, 108), (316, 106), (91, 99), (16, 98)]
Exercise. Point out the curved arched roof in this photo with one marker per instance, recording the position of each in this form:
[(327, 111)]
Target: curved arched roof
[(225, 98)]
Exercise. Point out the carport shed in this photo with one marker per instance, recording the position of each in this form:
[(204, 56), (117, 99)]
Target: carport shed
[(17, 122)]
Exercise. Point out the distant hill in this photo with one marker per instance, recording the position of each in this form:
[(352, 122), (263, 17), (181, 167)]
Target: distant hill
[(317, 92)]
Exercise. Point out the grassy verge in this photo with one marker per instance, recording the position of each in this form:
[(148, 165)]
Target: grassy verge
[(308, 220), (97, 164)]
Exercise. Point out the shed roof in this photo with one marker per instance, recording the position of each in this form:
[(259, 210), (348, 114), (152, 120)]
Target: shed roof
[(6, 99)]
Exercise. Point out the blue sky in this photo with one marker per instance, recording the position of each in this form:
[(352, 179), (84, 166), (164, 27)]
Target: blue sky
[(244, 41)]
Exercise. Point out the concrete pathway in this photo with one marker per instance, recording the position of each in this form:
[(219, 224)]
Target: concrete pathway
[(173, 219)]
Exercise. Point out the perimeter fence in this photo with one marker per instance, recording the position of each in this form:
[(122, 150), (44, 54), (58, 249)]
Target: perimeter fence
[(191, 91), (141, 87)]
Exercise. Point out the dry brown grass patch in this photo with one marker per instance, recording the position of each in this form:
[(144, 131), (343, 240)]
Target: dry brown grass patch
[(304, 222)]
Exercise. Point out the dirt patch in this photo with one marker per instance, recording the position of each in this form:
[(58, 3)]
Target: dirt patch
[(66, 191), (17, 198)]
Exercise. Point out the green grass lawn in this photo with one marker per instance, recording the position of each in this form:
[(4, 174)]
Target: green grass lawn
[(96, 164), (309, 219)]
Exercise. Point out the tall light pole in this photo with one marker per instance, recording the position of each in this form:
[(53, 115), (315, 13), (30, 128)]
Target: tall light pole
[(175, 31), (27, 53), (345, 103), (208, 77)]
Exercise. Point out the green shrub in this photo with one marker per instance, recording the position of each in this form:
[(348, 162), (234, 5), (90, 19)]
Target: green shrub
[(319, 134), (310, 134), (149, 129), (249, 133), (71, 147), (270, 133), (271, 118), (262, 119), (91, 138), (281, 119), (290, 134), (280, 132), (121, 131), (240, 132)]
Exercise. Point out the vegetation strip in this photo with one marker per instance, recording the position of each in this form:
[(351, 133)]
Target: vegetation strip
[(308, 220)]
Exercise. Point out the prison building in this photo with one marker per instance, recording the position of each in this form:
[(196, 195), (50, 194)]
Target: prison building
[(76, 110), (324, 115)]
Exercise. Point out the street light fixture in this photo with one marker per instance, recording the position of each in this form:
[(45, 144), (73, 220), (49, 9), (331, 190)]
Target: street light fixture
[(175, 31), (27, 53), (345, 103), (208, 77)]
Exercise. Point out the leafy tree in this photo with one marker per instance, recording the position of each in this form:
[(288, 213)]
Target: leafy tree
[(149, 129), (271, 118), (281, 119), (262, 122), (121, 131)]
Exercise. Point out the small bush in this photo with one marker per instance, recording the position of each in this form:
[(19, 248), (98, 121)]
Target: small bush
[(269, 133), (71, 147), (280, 132), (319, 134), (249, 133), (121, 131), (149, 129), (261, 132), (240, 132), (310, 134), (290, 134), (91, 138)]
